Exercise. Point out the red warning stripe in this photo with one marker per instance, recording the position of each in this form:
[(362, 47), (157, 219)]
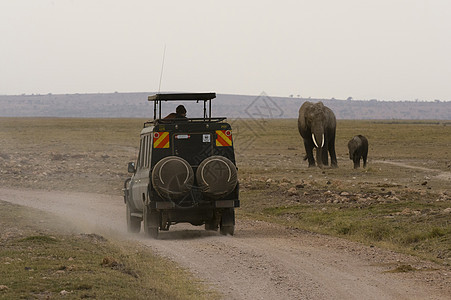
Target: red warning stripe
[(161, 140)]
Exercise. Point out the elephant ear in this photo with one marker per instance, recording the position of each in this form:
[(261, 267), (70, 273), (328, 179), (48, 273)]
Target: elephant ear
[(302, 113)]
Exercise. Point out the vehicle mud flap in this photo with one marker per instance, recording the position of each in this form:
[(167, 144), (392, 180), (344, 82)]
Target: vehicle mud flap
[(213, 224), (126, 189), (151, 220), (227, 224), (133, 223)]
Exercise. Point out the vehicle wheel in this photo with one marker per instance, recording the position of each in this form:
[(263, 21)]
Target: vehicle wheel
[(227, 225), (133, 223), (151, 221)]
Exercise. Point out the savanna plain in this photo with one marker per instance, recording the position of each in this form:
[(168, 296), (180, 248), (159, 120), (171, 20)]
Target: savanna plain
[(401, 202)]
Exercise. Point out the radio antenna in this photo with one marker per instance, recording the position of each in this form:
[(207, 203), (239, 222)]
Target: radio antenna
[(162, 65)]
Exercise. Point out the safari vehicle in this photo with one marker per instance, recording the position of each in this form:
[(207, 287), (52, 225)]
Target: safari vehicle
[(185, 172)]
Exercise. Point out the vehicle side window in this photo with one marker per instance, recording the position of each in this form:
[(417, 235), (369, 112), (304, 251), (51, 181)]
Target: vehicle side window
[(141, 154), (146, 155), (149, 152)]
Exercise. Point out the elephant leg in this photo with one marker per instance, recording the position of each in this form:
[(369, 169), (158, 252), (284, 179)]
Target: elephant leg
[(309, 153), (333, 155), (324, 156), (364, 160), (356, 161)]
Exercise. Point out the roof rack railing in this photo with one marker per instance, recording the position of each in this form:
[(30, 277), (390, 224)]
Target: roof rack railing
[(158, 98), (184, 121)]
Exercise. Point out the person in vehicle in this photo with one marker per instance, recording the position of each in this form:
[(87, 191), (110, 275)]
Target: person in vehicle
[(180, 113)]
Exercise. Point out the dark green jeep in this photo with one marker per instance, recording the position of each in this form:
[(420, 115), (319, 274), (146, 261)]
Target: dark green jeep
[(185, 171)]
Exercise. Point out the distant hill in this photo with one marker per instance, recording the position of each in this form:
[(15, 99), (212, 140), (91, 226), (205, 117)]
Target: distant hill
[(135, 105)]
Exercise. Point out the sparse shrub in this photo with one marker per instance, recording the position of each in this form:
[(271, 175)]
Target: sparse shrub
[(345, 228), (379, 232), (419, 236), (436, 232), (41, 239), (412, 238)]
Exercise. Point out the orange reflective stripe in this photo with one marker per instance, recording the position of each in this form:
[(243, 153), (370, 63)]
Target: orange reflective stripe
[(222, 138), (161, 140), (220, 141)]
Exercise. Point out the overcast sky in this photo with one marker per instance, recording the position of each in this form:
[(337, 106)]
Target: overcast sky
[(378, 49)]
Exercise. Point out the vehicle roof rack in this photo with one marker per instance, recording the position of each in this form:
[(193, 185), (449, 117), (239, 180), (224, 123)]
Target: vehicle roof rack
[(182, 97), (158, 98)]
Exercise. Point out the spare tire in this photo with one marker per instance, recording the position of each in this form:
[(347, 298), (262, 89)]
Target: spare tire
[(216, 176), (172, 177)]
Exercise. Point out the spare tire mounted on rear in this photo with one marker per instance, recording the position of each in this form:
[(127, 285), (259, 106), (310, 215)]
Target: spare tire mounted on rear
[(172, 178), (216, 176)]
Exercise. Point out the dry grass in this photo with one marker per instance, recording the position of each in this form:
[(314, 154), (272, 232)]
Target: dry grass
[(41, 261)]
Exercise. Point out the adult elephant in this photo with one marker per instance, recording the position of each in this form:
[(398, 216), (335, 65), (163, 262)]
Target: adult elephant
[(317, 125)]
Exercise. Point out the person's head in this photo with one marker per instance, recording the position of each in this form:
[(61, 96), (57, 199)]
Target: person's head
[(181, 110)]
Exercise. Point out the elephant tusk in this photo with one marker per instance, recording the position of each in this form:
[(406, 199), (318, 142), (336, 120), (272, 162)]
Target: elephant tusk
[(322, 143), (314, 141)]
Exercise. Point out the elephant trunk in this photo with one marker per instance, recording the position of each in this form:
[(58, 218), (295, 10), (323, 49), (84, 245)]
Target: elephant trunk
[(318, 140)]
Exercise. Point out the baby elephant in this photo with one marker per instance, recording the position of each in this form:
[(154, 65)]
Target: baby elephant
[(358, 148)]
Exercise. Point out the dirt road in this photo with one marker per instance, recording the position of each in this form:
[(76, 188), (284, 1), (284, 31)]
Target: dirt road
[(262, 261), (446, 176)]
